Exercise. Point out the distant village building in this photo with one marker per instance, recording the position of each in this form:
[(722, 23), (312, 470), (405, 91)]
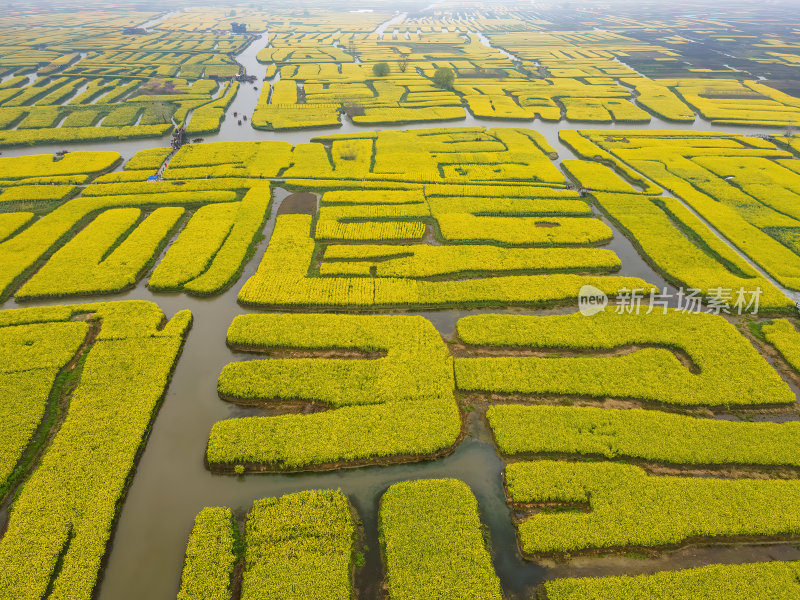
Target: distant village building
[(239, 27)]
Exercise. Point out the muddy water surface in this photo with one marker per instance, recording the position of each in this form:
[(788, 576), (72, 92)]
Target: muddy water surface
[(172, 483)]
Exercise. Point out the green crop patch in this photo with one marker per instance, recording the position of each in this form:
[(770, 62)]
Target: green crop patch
[(724, 368), (65, 511), (211, 555), (299, 546), (401, 405), (776, 580), (629, 508), (32, 356), (420, 261), (642, 434), (432, 540)]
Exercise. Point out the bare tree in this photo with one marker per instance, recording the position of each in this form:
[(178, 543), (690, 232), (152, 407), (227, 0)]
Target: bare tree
[(353, 109)]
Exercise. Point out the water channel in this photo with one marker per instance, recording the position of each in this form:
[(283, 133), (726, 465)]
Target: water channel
[(172, 483)]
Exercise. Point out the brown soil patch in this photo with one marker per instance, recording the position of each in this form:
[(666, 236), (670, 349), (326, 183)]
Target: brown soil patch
[(300, 203)]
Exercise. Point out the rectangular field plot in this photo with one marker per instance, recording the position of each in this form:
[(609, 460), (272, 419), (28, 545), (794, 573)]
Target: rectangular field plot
[(756, 581), (744, 187), (627, 507), (67, 504), (296, 546), (431, 530), (300, 544), (211, 556), (642, 434)]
